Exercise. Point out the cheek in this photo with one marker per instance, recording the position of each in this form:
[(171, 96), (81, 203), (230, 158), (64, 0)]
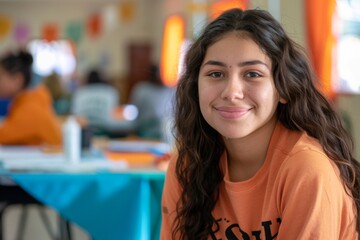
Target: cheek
[(206, 94), (7, 88), (3, 85), (202, 101), (3, 91), (270, 97)]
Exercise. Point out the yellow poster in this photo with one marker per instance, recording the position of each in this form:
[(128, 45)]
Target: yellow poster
[(127, 11), (5, 26)]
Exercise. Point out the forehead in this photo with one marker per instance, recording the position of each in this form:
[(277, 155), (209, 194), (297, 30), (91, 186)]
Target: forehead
[(234, 46)]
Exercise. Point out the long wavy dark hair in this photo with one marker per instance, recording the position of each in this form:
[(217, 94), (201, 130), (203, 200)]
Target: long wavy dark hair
[(200, 146)]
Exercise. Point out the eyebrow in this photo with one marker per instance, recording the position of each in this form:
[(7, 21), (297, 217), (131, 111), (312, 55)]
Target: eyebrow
[(240, 64)]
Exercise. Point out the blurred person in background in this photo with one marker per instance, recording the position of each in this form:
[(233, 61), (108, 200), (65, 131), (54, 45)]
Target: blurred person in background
[(154, 101), (94, 76), (60, 97), (97, 101), (30, 119)]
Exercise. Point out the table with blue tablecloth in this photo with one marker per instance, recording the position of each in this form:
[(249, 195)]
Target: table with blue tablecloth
[(108, 205)]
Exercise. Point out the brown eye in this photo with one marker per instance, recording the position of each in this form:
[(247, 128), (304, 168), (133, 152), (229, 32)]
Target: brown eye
[(252, 75), (216, 74)]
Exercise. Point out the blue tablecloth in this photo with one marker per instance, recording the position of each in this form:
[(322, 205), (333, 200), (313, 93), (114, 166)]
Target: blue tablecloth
[(109, 206)]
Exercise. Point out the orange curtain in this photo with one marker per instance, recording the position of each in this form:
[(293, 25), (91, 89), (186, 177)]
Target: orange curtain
[(321, 40)]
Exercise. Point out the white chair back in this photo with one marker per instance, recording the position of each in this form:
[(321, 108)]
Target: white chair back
[(96, 103)]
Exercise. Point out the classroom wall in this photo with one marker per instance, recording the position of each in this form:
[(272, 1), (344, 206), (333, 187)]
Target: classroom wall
[(109, 47)]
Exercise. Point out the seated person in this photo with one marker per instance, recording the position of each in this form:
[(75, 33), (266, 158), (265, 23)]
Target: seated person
[(155, 104), (97, 101), (30, 119), (60, 97)]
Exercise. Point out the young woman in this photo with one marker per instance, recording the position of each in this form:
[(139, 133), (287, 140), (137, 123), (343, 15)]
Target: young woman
[(261, 153), (30, 119)]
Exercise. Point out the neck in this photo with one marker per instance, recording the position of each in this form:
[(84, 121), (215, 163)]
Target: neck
[(247, 155)]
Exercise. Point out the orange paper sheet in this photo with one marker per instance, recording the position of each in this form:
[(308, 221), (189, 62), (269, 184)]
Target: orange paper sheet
[(131, 158)]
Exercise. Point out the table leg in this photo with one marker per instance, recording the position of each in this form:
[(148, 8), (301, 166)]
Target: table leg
[(145, 209), (65, 229), (2, 210)]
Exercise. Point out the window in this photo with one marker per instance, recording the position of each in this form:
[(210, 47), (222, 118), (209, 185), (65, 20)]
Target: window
[(348, 47), (55, 56)]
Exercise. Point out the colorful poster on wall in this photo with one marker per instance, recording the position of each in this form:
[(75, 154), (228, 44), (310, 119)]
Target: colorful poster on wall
[(74, 31), (127, 11), (21, 33), (5, 26), (94, 25), (110, 18), (50, 32)]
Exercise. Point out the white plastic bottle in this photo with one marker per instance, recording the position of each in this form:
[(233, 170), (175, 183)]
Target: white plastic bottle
[(72, 140)]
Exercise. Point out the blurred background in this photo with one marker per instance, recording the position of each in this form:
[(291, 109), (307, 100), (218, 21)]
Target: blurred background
[(128, 42)]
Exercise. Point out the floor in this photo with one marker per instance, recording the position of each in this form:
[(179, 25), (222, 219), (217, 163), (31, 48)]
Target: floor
[(34, 226)]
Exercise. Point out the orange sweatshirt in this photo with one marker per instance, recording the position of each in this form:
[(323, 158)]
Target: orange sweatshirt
[(296, 194), (31, 120)]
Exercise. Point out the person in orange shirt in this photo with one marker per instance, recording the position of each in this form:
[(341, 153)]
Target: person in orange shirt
[(261, 154), (31, 119)]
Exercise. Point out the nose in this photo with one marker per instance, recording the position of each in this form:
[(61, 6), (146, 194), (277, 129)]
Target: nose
[(233, 88)]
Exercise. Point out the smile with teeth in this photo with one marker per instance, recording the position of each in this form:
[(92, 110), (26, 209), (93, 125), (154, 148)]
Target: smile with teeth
[(232, 112)]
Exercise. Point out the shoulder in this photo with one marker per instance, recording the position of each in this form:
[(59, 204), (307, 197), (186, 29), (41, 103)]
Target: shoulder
[(38, 92), (172, 190), (307, 154), (142, 86), (171, 170), (171, 180), (170, 197), (308, 184), (139, 90), (307, 165), (33, 100), (295, 153)]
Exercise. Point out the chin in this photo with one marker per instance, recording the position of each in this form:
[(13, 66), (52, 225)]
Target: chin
[(232, 135), (230, 138)]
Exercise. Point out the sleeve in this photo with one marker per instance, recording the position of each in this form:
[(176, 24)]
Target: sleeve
[(18, 127), (311, 198), (170, 197)]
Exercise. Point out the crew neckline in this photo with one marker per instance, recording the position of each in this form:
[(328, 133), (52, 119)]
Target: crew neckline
[(249, 184)]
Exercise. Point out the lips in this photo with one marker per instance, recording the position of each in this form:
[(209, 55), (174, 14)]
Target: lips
[(232, 112)]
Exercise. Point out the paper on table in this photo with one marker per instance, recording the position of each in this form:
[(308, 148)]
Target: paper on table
[(61, 165), (7, 152), (19, 158), (139, 146)]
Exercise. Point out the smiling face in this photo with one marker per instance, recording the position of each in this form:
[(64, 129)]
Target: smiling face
[(237, 94)]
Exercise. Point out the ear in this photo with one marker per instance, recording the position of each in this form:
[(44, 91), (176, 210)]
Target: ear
[(283, 100)]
